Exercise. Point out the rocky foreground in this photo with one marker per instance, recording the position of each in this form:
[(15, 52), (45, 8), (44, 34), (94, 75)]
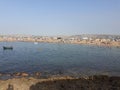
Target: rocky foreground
[(96, 82)]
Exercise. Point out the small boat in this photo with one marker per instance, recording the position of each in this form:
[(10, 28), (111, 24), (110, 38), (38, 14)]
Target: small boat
[(35, 42), (7, 48)]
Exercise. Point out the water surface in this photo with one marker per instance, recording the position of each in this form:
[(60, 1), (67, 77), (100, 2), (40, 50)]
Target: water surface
[(59, 58)]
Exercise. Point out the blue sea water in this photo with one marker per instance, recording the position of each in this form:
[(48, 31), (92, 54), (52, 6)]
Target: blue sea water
[(59, 58)]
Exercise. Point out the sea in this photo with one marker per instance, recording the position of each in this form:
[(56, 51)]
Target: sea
[(59, 58)]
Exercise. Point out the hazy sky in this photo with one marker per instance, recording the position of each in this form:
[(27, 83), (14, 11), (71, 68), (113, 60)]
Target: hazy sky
[(59, 17)]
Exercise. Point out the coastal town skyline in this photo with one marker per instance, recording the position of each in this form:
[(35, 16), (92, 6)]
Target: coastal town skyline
[(100, 40), (64, 17)]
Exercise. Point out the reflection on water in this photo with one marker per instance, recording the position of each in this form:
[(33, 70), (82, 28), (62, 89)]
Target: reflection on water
[(54, 58)]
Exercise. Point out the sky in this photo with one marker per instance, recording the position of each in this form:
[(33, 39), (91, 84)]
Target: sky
[(59, 17)]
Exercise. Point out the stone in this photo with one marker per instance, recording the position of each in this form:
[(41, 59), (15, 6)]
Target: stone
[(24, 74), (37, 74), (17, 74), (1, 74)]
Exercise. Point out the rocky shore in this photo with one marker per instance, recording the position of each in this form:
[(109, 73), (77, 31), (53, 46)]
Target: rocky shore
[(95, 82)]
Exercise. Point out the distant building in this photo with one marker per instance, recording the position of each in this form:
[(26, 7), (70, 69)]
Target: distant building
[(85, 38), (59, 38)]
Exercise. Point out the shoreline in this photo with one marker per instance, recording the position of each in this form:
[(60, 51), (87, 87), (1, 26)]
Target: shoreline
[(44, 75), (94, 82), (99, 44), (89, 39)]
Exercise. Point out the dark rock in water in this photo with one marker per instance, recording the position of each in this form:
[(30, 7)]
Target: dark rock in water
[(8, 74), (1, 74), (17, 74), (37, 75)]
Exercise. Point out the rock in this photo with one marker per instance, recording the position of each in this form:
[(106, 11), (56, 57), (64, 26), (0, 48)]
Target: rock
[(99, 77), (17, 74), (8, 74), (1, 74), (37, 73), (24, 74)]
